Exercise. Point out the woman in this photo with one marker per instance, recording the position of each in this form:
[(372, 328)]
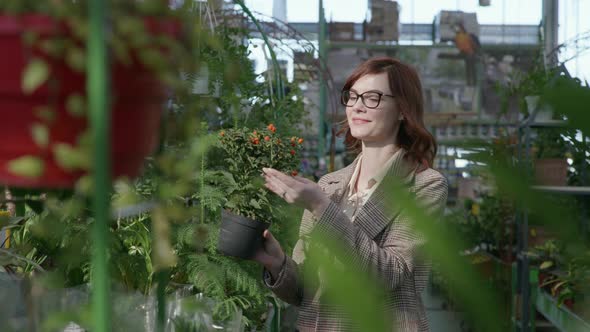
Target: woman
[(384, 110)]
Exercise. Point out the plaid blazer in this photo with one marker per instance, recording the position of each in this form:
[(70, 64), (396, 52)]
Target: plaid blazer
[(381, 240)]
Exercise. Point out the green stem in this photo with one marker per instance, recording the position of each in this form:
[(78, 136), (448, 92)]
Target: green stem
[(99, 119), (202, 206), (22, 258), (162, 277)]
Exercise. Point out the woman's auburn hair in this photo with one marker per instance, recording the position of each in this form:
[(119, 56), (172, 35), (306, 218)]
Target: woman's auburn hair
[(405, 85)]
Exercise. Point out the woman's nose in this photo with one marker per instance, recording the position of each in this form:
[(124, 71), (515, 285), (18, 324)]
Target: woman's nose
[(359, 107)]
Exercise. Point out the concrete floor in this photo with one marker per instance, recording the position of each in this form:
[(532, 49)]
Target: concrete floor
[(439, 318), (444, 320)]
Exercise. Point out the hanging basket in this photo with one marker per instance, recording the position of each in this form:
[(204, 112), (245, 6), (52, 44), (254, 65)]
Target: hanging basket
[(137, 100)]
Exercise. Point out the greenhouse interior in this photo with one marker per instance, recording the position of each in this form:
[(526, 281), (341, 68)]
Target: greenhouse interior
[(254, 191)]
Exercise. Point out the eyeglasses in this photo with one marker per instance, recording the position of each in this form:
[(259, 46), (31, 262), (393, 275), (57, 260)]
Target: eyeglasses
[(370, 99)]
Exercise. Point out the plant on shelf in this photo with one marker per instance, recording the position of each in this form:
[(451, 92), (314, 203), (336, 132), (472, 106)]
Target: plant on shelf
[(548, 253), (485, 224), (550, 147), (527, 87), (570, 285), (550, 143), (464, 222), (496, 218), (547, 256)]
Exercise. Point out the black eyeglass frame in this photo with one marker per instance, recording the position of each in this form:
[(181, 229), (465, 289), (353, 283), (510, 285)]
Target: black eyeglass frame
[(362, 98)]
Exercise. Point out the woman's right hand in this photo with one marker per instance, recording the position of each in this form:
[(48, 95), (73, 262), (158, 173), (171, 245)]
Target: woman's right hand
[(270, 255)]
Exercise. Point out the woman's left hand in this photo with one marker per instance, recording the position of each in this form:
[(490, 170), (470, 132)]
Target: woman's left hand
[(297, 190)]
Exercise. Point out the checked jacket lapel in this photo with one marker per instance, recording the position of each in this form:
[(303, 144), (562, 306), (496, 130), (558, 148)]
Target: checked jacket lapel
[(380, 209)]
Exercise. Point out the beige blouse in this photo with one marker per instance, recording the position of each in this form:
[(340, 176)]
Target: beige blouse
[(356, 199)]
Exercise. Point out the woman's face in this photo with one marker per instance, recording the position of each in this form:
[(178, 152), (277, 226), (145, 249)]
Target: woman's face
[(378, 124)]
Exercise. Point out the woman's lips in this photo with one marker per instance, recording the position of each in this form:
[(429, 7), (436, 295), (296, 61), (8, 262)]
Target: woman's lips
[(360, 121)]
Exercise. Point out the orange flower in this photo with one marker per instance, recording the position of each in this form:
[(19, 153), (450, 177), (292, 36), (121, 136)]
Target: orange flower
[(272, 127), (255, 141), (255, 133), (293, 139), (294, 173), (292, 152), (300, 141), (222, 133), (267, 138)]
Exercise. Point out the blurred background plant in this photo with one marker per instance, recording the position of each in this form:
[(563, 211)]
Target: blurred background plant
[(167, 219)]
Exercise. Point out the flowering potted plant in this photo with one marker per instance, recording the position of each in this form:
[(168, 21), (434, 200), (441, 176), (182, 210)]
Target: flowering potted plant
[(249, 206)]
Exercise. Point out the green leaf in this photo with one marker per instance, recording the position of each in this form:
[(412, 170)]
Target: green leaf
[(35, 205), (163, 254), (4, 218), (40, 134), (27, 166), (29, 37), (70, 158), (121, 51), (85, 184), (75, 105), (130, 26), (7, 260), (45, 113), (35, 74), (255, 204), (230, 205), (76, 59), (545, 265), (85, 139)]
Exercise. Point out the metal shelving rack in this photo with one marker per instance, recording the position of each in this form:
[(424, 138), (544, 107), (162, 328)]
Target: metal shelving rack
[(531, 298), (559, 316)]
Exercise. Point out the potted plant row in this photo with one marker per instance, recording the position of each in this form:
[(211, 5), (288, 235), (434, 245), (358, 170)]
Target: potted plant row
[(565, 279)]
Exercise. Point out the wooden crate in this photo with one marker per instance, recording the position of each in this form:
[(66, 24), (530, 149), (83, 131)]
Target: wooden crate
[(341, 31)]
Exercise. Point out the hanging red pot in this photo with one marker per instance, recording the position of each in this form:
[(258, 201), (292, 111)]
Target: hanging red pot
[(137, 100)]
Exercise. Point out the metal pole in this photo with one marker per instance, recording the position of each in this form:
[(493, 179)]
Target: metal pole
[(583, 182), (98, 99), (523, 261), (550, 29), (323, 86)]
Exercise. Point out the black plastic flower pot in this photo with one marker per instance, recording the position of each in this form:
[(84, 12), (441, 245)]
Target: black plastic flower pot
[(240, 236)]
